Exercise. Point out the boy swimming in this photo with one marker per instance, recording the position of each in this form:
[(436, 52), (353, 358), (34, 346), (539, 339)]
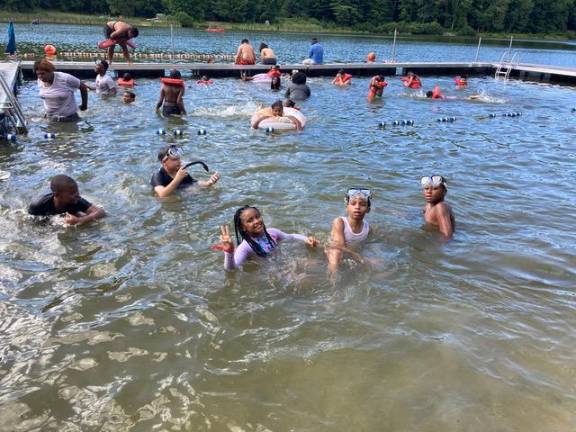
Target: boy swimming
[(437, 212)]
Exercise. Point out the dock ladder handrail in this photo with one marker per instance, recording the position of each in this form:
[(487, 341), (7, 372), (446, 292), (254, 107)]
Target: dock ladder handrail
[(507, 63), (13, 109)]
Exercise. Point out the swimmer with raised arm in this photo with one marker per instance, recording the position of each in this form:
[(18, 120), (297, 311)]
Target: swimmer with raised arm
[(275, 110), (437, 212), (349, 231), (253, 238)]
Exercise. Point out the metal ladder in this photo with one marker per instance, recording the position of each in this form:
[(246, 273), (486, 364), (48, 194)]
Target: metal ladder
[(12, 108), (506, 65)]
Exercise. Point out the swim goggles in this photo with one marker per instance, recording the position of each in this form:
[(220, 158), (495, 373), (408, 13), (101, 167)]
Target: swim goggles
[(173, 152), (433, 181), (355, 191)]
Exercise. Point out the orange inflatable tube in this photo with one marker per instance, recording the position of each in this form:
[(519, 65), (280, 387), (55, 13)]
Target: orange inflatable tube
[(172, 81), (111, 42)]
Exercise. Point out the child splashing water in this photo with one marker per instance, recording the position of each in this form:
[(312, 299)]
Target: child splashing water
[(253, 238), (350, 231)]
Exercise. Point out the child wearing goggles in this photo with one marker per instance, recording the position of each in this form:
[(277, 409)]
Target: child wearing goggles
[(437, 212), (173, 175), (350, 231)]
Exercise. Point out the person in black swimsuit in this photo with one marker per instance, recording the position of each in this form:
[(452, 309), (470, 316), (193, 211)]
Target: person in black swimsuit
[(65, 198)]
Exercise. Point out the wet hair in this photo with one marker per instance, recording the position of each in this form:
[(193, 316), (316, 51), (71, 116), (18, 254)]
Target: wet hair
[(164, 151), (275, 83), (299, 78), (175, 74), (277, 104), (341, 71), (131, 94), (429, 93), (314, 40), (126, 77), (62, 182), (241, 234), (204, 78), (105, 64), (134, 32), (289, 103), (262, 46), (44, 64), (244, 41)]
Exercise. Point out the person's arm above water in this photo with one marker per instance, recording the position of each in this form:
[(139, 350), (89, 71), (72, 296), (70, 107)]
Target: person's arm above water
[(281, 236), (444, 220), (84, 96), (164, 191), (92, 213), (211, 181), (337, 244), (161, 100), (233, 258)]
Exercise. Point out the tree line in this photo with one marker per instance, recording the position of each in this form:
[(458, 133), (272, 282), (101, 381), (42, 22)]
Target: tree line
[(415, 16)]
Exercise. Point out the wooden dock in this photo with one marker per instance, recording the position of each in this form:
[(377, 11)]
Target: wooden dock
[(528, 72)]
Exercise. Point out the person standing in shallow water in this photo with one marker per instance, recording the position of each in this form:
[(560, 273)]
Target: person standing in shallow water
[(57, 90), (437, 212)]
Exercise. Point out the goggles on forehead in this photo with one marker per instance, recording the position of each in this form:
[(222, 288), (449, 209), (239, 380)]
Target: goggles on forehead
[(433, 181), (356, 191), (173, 153)]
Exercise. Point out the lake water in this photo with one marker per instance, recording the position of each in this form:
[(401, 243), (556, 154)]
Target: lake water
[(291, 47), (132, 324)]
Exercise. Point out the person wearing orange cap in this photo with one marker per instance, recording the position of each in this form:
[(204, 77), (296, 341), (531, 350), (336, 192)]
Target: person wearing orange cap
[(371, 57)]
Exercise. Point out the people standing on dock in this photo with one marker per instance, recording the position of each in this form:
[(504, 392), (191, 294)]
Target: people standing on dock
[(267, 56), (172, 95), (65, 198), (298, 89), (121, 33), (172, 175), (57, 91), (245, 54), (437, 212), (104, 84), (315, 53)]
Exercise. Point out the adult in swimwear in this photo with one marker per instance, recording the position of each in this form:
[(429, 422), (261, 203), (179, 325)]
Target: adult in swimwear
[(411, 80), (172, 95), (350, 231), (342, 79), (253, 238), (275, 110), (245, 54), (57, 92), (65, 198), (376, 87), (437, 212), (121, 33), (173, 176), (267, 56)]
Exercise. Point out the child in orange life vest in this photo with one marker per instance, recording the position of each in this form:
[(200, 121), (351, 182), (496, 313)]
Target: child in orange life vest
[(126, 81), (342, 79), (204, 80), (435, 94), (411, 80), (377, 85), (461, 82), (274, 72)]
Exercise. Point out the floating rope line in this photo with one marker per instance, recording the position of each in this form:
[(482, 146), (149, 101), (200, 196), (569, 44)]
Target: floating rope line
[(164, 56)]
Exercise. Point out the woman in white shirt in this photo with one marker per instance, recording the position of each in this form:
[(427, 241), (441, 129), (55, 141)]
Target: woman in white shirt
[(57, 91)]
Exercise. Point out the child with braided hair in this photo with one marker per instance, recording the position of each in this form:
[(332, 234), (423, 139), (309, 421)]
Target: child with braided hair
[(253, 238)]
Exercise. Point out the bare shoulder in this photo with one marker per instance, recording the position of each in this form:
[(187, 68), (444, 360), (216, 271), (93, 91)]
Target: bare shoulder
[(338, 224)]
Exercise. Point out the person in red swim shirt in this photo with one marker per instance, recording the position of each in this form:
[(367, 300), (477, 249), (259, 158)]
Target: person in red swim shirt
[(411, 80), (435, 93), (376, 88)]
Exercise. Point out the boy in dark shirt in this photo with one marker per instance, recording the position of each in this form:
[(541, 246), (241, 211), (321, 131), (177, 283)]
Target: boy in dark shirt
[(173, 176), (65, 198)]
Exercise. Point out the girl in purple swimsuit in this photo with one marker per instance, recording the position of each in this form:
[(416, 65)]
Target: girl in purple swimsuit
[(253, 238)]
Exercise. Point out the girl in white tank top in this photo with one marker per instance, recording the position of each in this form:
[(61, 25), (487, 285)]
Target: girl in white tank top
[(343, 235)]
